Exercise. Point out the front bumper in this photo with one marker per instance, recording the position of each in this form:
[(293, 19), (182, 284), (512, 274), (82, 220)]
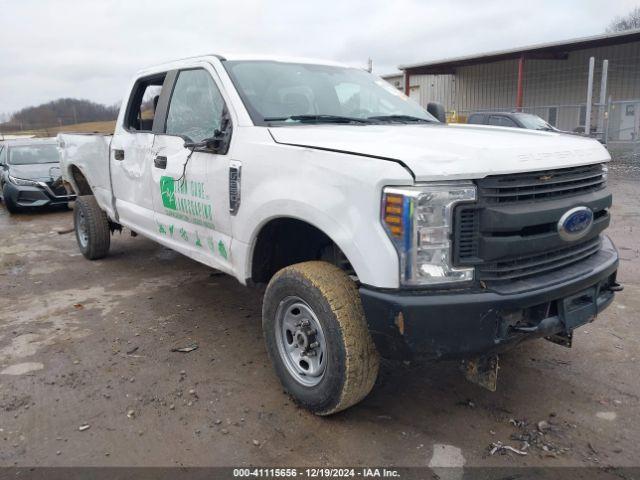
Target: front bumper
[(32, 196), (454, 324)]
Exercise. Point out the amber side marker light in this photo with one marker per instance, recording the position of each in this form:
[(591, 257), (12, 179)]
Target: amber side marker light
[(393, 213)]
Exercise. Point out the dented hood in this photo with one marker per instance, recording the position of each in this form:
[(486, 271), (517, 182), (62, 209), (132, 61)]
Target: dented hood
[(438, 152)]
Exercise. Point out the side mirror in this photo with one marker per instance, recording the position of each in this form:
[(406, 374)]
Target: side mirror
[(218, 143), (437, 110)]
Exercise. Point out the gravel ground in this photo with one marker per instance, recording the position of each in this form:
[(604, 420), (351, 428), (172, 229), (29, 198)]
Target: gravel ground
[(88, 376)]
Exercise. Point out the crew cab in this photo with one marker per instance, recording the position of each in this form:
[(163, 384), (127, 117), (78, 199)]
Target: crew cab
[(377, 228)]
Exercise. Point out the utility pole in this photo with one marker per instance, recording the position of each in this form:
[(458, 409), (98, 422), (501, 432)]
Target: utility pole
[(369, 65)]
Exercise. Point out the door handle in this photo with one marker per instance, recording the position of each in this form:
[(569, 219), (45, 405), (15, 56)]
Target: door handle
[(160, 162), (118, 154)]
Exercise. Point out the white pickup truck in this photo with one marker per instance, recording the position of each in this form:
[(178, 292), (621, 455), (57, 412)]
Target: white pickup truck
[(378, 229)]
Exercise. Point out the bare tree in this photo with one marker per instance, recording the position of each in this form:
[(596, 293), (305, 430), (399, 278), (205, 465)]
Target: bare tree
[(630, 21)]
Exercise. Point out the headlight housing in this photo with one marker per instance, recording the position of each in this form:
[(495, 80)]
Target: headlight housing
[(23, 182), (419, 222)]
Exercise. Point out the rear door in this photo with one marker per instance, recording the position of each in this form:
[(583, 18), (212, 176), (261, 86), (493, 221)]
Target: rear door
[(130, 155), (190, 188)]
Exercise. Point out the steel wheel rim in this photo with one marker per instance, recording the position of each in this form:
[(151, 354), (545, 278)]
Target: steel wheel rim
[(83, 235), (301, 341)]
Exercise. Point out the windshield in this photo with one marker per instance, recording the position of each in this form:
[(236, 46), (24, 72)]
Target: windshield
[(533, 122), (33, 154), (292, 93)]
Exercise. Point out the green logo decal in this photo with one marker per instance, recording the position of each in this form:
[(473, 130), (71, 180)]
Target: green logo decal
[(186, 201), (222, 249), (198, 242), (167, 191)]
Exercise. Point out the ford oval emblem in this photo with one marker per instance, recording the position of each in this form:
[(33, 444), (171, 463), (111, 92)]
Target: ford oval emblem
[(575, 223)]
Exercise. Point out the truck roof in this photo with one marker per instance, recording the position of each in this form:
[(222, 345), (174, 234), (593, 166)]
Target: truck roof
[(179, 63)]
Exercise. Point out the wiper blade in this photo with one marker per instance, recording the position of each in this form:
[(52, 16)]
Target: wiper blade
[(400, 118), (319, 118)]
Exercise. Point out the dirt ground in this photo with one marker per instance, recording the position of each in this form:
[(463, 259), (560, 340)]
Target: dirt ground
[(90, 344)]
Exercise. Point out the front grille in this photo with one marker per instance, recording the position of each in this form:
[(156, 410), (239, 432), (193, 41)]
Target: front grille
[(511, 231), (525, 266), (542, 185)]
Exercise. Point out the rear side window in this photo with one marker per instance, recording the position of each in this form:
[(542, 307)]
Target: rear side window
[(196, 106), (501, 121), (143, 103), (476, 119)]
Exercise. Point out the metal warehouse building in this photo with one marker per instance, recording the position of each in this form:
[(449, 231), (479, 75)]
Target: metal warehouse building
[(551, 80)]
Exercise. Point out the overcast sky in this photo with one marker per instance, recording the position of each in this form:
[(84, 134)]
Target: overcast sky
[(90, 49)]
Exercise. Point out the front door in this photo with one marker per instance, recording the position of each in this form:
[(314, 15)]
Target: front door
[(190, 188)]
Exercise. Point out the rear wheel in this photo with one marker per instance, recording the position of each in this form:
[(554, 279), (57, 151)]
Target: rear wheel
[(317, 337), (92, 228)]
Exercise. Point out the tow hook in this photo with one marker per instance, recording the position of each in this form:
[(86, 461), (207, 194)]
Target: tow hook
[(615, 287), (482, 371)]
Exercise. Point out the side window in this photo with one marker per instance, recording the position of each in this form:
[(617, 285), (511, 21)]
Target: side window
[(501, 121), (507, 122), (476, 119), (3, 155), (143, 103), (196, 106)]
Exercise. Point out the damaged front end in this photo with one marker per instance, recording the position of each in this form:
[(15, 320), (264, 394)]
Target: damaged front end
[(476, 325)]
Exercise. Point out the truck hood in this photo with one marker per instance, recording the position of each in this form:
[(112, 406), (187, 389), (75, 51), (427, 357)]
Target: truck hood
[(40, 172), (438, 152)]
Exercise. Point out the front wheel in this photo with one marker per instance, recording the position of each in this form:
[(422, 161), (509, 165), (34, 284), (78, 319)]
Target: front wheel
[(92, 228), (317, 337)]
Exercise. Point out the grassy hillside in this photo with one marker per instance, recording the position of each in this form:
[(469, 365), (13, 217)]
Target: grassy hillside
[(89, 127)]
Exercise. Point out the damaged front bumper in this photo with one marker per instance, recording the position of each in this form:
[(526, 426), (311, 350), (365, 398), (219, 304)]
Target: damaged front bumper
[(464, 324)]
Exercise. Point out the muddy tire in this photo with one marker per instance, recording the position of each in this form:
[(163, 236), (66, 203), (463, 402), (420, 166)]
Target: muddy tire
[(317, 337), (92, 228)]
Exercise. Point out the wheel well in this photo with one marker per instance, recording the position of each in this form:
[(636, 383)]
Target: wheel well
[(285, 241), (80, 181)]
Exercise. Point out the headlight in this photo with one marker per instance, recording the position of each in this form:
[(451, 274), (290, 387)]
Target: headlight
[(418, 221), (23, 182)]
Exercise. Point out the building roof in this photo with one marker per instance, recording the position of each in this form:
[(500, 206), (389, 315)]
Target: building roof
[(553, 50)]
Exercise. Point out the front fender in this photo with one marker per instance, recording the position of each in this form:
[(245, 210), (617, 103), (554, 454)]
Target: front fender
[(354, 228)]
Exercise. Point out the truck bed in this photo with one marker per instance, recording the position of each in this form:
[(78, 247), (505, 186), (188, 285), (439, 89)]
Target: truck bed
[(87, 154)]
